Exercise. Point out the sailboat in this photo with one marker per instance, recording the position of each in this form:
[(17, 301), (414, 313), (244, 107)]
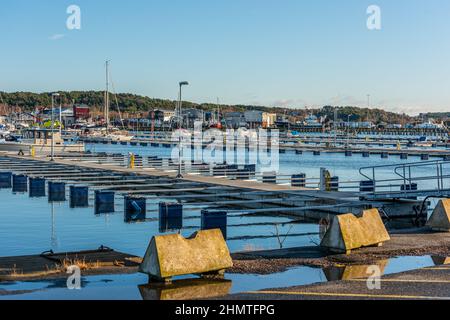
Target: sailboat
[(216, 122), (111, 133)]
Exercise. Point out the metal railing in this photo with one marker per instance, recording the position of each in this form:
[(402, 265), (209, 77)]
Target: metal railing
[(407, 176)]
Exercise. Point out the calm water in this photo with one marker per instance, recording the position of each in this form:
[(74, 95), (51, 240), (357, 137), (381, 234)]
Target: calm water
[(346, 168), (125, 287)]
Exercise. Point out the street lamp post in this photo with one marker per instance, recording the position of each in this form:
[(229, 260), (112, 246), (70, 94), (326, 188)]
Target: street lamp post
[(60, 117), (53, 127), (180, 123), (348, 129)]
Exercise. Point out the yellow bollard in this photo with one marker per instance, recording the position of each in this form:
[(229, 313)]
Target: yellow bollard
[(131, 159), (33, 152)]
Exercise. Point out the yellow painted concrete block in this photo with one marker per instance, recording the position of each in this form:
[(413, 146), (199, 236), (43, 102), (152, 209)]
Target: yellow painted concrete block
[(337, 273), (348, 232), (189, 289), (440, 219), (172, 255)]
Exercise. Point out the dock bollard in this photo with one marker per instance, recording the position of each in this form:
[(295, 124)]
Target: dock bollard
[(384, 155), (20, 183), (170, 216), (316, 153), (367, 186), (410, 187), (5, 180), (37, 187), (424, 157), (214, 220), (298, 180), (251, 168), (104, 201), (334, 184), (403, 156), (348, 153), (242, 174), (298, 152), (56, 191), (131, 159), (269, 177), (135, 208), (79, 197)]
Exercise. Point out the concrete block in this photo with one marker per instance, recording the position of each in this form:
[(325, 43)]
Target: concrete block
[(440, 219), (348, 232), (204, 253), (342, 273), (186, 289)]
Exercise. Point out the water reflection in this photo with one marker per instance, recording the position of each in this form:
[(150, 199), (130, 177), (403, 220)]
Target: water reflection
[(53, 238), (189, 289), (337, 273), (439, 260)]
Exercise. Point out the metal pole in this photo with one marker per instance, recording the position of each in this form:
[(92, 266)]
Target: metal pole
[(60, 117), (179, 175), (53, 125)]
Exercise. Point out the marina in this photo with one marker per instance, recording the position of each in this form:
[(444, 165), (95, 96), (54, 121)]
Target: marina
[(92, 189), (224, 159)]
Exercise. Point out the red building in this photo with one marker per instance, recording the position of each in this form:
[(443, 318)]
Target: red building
[(81, 112)]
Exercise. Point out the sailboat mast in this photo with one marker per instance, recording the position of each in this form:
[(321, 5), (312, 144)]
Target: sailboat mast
[(107, 97)]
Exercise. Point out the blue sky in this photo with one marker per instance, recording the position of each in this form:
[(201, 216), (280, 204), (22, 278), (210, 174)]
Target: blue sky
[(271, 52)]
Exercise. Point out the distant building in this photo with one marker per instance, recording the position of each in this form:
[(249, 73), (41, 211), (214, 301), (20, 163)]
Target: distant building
[(355, 125), (429, 125), (235, 120), (312, 121), (394, 126), (81, 112), (190, 116), (256, 118), (164, 115)]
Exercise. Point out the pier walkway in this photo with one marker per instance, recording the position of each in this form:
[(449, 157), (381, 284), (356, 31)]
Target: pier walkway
[(236, 196)]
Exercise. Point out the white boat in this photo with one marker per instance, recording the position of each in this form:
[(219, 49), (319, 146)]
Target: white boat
[(40, 140)]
